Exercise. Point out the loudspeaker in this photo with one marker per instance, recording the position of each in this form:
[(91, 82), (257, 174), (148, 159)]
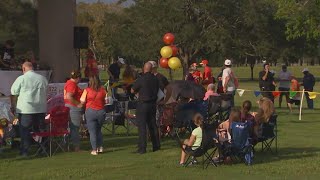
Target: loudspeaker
[(81, 37)]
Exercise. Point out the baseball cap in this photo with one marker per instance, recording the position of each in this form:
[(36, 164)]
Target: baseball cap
[(305, 70), (204, 62), (121, 60), (227, 62), (153, 63)]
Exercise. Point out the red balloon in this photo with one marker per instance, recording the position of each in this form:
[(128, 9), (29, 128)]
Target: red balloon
[(164, 63), (174, 50), (168, 38)]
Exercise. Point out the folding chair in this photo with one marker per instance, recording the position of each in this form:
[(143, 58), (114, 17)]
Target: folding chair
[(219, 107), (269, 135), (208, 143), (240, 148), (58, 131)]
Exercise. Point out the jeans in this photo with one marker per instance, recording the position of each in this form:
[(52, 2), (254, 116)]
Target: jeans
[(232, 97), (95, 119), (74, 124), (33, 122), (309, 101), (146, 116)]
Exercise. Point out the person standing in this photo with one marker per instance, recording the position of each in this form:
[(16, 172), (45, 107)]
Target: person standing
[(92, 65), (284, 84), (72, 94), (308, 83), (114, 73), (196, 73), (31, 91), (266, 82), (207, 73), (94, 99), (7, 54), (229, 80), (147, 87)]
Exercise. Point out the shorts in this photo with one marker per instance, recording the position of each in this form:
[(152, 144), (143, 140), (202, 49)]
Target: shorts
[(295, 102)]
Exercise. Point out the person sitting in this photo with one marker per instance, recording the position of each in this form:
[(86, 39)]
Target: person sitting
[(245, 111), (224, 128), (195, 139), (210, 92), (265, 111), (129, 76)]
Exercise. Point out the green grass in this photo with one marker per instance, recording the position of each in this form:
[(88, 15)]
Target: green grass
[(298, 157), (243, 73)]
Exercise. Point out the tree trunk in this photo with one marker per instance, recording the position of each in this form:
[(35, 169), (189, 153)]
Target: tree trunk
[(251, 68)]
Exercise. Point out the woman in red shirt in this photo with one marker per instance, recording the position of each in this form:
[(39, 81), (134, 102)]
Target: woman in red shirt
[(94, 99), (72, 94)]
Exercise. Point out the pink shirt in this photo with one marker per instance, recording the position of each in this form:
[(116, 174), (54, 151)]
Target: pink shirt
[(209, 93)]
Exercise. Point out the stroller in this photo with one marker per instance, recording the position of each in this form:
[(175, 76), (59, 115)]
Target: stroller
[(240, 148)]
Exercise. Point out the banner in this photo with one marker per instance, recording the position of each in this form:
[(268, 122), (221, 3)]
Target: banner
[(257, 93), (55, 89), (240, 92), (312, 95)]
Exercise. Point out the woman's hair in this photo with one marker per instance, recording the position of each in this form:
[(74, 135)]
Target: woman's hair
[(235, 115), (266, 109), (246, 107), (128, 72), (75, 74), (198, 120), (211, 87), (94, 83)]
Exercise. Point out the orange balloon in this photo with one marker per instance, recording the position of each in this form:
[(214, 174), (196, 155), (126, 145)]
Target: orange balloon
[(174, 50), (168, 38), (164, 63)]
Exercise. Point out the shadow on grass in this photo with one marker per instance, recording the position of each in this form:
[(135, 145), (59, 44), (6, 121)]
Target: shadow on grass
[(285, 154)]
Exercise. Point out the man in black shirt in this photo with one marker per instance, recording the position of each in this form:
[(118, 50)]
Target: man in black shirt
[(308, 83), (147, 87), (266, 82)]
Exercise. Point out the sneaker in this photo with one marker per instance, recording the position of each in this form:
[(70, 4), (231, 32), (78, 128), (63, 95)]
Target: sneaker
[(94, 153), (100, 150)]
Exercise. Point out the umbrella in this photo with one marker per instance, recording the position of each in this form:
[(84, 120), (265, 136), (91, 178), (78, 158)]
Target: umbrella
[(186, 89)]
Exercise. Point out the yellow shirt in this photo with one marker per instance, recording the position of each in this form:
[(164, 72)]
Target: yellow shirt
[(197, 132)]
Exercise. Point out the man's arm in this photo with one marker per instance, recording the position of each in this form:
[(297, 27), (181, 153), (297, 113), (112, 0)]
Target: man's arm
[(264, 77)]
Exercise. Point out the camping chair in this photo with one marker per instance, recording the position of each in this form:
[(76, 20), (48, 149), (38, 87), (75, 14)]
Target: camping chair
[(58, 131), (219, 107), (240, 147), (208, 143), (269, 135)]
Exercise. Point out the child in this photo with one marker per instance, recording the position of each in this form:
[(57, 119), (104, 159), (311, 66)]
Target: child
[(245, 111), (296, 96), (189, 76), (195, 139), (224, 130), (210, 92)]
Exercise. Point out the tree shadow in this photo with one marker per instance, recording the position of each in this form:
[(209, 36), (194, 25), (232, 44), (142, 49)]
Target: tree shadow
[(285, 154)]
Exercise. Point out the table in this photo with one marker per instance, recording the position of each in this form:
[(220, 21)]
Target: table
[(8, 77)]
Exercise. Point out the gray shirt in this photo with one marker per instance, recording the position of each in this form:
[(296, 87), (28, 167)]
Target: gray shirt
[(284, 79)]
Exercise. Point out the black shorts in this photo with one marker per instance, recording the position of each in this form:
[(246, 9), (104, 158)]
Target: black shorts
[(295, 102)]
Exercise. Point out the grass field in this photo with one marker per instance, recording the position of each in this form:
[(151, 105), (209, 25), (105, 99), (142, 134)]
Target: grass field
[(243, 73), (298, 156)]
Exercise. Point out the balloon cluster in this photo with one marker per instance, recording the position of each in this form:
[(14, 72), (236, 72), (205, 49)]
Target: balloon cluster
[(169, 53)]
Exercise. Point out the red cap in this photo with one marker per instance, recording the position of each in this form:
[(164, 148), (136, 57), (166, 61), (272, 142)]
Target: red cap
[(204, 62)]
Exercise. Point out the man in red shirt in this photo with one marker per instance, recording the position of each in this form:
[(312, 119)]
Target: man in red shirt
[(207, 74), (72, 94)]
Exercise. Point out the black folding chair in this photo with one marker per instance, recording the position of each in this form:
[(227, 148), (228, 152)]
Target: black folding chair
[(208, 143), (269, 135)]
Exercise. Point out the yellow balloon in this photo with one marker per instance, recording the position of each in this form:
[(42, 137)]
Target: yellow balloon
[(174, 63), (166, 51)]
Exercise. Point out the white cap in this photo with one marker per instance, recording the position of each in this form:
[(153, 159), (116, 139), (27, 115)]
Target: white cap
[(305, 70), (153, 63), (227, 62), (121, 60)]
